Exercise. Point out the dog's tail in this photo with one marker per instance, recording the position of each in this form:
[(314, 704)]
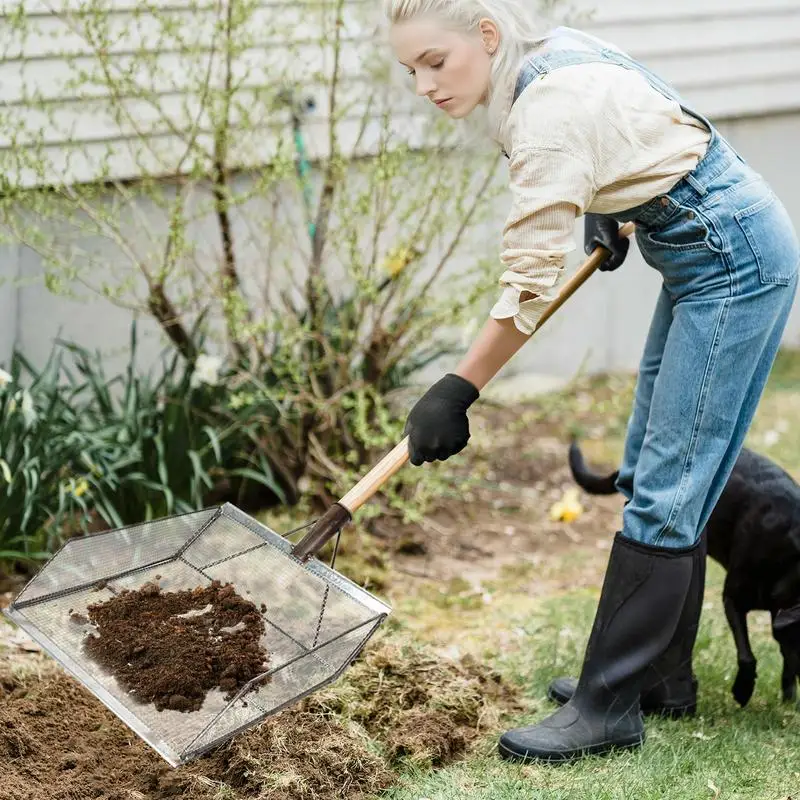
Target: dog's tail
[(585, 478)]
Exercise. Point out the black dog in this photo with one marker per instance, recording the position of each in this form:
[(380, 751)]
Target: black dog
[(754, 533)]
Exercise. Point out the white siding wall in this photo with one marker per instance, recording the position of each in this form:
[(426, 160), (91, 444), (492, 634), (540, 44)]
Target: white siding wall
[(164, 61), (737, 60), (730, 58)]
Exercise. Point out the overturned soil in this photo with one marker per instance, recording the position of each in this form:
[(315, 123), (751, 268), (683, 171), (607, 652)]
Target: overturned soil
[(58, 742), (422, 707), (172, 648)]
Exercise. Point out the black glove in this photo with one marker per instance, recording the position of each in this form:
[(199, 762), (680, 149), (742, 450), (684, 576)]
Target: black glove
[(604, 232), (437, 425)]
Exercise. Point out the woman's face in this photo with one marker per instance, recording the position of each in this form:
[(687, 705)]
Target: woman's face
[(450, 68)]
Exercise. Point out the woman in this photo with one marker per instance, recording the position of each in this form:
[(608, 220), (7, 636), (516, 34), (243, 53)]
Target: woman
[(589, 131)]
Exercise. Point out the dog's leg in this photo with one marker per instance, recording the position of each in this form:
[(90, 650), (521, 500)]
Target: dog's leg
[(786, 631), (790, 674), (745, 681)]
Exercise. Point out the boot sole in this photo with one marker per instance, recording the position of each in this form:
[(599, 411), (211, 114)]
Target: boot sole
[(671, 712), (573, 755)]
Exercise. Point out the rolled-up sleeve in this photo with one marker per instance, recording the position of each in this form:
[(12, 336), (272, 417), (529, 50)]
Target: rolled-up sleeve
[(550, 187)]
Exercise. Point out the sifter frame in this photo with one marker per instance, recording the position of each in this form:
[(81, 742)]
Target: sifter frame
[(334, 581)]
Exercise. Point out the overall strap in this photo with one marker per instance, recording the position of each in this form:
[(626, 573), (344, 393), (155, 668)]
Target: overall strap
[(568, 47)]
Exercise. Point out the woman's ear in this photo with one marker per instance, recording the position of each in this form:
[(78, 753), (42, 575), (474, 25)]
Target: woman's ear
[(490, 35)]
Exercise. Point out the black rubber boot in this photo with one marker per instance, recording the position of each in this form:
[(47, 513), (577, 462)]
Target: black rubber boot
[(670, 687), (643, 596)]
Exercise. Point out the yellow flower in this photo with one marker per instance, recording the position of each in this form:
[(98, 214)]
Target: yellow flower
[(568, 508), (81, 488), (399, 258)]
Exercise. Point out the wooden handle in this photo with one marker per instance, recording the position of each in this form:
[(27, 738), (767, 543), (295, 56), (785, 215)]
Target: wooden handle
[(339, 514), (376, 477), (598, 256)]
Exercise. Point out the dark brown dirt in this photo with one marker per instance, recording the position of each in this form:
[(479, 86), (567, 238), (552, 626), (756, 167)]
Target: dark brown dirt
[(57, 742), (427, 737), (172, 648)]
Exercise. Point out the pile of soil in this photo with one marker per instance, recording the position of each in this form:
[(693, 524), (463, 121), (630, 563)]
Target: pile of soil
[(58, 742), (172, 648)]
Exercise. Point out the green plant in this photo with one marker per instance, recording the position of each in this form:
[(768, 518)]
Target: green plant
[(160, 442), (39, 455), (80, 451)]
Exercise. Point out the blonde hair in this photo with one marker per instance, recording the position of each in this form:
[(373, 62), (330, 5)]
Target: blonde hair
[(519, 31)]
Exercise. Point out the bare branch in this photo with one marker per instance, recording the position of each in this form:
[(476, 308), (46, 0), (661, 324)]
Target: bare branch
[(330, 178)]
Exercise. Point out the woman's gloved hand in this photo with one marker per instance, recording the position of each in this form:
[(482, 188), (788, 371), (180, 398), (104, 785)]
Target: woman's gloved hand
[(437, 426), (603, 231)]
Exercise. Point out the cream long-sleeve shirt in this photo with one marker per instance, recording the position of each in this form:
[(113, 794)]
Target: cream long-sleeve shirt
[(591, 137)]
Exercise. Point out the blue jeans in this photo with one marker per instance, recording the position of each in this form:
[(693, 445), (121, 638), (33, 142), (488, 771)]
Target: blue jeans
[(728, 255)]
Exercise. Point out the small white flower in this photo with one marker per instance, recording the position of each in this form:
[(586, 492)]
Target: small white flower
[(206, 370), (5, 378)]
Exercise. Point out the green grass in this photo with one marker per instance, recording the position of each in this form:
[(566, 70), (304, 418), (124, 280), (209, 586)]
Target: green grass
[(786, 370), (724, 752)]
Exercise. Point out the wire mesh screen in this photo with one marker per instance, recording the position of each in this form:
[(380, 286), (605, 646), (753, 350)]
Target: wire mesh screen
[(315, 620)]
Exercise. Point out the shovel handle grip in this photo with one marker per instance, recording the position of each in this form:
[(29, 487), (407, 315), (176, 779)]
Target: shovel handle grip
[(340, 512)]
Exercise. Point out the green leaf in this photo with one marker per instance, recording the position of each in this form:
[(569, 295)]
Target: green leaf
[(214, 439), (260, 477)]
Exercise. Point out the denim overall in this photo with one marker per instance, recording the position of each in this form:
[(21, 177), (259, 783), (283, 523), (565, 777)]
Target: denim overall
[(728, 256)]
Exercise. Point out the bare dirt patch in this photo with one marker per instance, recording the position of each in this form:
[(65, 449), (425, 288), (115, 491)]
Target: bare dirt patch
[(508, 479)]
